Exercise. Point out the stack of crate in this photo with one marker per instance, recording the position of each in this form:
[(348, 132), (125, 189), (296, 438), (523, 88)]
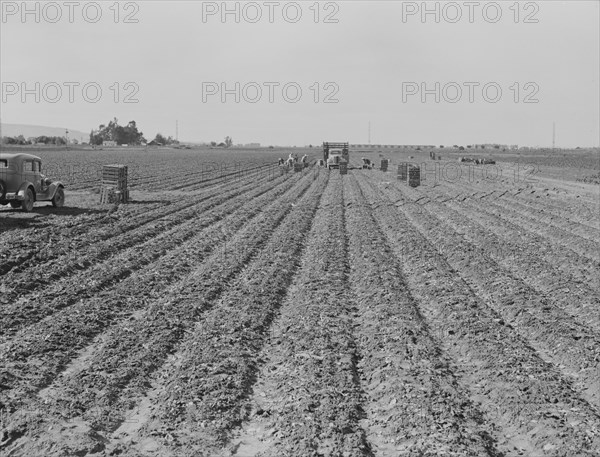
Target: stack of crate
[(384, 164), (298, 167), (114, 184), (343, 168), (414, 176), (402, 172)]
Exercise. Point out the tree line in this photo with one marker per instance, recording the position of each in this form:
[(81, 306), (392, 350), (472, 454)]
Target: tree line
[(21, 140)]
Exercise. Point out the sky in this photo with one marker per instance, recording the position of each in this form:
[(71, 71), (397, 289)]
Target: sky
[(298, 73)]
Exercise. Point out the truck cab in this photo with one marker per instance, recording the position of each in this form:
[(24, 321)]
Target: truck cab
[(335, 153), (335, 158)]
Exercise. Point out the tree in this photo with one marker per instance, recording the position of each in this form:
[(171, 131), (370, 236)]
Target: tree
[(119, 134), (213, 143), (160, 139), (228, 141)]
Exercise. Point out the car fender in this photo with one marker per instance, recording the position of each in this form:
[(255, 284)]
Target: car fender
[(53, 187), (23, 187)]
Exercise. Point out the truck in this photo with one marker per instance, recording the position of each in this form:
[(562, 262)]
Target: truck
[(335, 153)]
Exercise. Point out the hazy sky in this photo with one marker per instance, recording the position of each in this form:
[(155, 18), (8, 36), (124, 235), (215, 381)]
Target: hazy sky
[(371, 59)]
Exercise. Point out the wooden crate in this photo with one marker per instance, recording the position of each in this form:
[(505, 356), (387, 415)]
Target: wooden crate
[(343, 168), (112, 172), (384, 164), (108, 194), (115, 175), (298, 167), (118, 183), (114, 184), (402, 172), (414, 176)]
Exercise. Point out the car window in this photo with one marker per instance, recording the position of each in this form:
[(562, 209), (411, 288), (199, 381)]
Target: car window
[(27, 165), (37, 166), (3, 163)]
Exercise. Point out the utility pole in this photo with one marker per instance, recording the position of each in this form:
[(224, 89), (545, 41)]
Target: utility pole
[(369, 132), (177, 130), (553, 136)]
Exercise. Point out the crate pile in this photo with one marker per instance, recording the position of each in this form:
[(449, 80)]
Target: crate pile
[(410, 174), (298, 167), (414, 176), (343, 168), (384, 164), (114, 184)]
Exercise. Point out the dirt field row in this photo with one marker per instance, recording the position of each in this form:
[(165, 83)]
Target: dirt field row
[(305, 314)]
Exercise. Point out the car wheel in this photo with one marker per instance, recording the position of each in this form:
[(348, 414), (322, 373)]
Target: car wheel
[(2, 189), (15, 204), (27, 202), (59, 198)]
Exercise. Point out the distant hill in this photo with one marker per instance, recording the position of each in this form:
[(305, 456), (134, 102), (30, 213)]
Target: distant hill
[(39, 130)]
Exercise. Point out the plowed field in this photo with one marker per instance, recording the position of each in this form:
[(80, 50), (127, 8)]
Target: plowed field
[(303, 314)]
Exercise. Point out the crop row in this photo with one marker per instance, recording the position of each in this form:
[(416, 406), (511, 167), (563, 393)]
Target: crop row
[(103, 390), (513, 387), (84, 273)]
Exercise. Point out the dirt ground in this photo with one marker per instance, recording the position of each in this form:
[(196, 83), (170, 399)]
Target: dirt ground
[(265, 313)]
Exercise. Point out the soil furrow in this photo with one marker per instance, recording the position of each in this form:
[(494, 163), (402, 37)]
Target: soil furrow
[(144, 249), (573, 348), (557, 236), (61, 258), (69, 330), (308, 395), (101, 393), (416, 406), (199, 394), (534, 409), (579, 300), (569, 263)]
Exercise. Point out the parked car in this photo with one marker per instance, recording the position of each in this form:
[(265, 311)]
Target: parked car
[(22, 182)]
